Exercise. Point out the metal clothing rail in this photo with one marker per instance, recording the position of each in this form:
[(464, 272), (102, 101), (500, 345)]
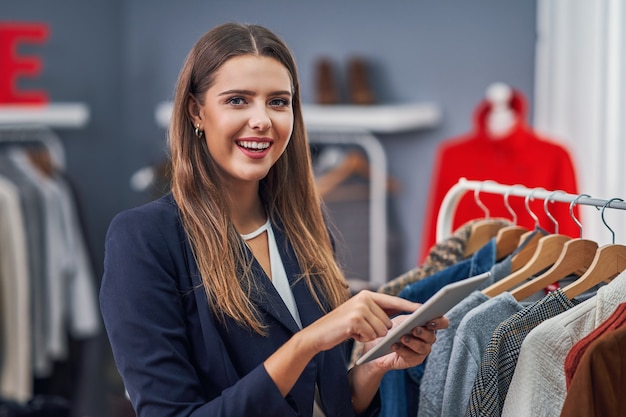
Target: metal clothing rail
[(453, 196), (378, 194), (26, 134)]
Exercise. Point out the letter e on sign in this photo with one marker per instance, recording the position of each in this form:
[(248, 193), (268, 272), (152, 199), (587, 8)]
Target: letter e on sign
[(13, 66)]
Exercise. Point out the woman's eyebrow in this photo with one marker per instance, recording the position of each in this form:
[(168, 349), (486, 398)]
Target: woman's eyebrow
[(252, 93)]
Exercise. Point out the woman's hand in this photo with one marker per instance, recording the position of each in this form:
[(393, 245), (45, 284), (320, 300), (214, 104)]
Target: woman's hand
[(412, 348), (364, 317), (410, 351)]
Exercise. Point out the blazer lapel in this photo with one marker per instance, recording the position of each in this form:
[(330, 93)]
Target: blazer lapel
[(265, 296), (307, 307)]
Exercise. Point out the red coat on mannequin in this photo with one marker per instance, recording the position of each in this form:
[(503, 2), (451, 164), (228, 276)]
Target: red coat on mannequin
[(509, 154)]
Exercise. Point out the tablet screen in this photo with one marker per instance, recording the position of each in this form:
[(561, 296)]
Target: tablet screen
[(436, 306)]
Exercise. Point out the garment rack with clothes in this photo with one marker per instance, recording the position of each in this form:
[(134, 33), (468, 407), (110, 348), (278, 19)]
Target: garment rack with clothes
[(35, 134), (378, 197), (453, 196), (49, 319)]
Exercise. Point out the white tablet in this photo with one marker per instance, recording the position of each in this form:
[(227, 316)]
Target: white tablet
[(436, 306)]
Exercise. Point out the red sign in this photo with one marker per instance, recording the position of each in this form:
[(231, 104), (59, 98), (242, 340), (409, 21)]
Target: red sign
[(13, 66)]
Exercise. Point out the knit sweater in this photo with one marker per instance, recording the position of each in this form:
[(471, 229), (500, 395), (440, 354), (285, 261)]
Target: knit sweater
[(520, 157)]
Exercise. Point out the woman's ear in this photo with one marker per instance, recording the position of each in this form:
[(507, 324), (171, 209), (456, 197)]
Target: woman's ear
[(193, 109)]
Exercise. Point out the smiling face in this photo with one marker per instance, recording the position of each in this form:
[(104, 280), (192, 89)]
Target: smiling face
[(247, 116)]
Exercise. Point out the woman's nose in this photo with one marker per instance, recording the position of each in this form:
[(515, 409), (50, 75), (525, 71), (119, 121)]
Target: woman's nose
[(260, 120)]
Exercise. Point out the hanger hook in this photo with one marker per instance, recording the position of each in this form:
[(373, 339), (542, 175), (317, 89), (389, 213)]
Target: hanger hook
[(480, 203), (604, 221), (545, 208), (507, 205), (571, 212), (529, 197)]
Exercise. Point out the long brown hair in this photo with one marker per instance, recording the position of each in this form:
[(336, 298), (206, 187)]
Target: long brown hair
[(288, 191)]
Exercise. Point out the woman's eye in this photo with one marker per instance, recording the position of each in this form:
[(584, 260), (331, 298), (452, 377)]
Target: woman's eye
[(279, 102), (236, 101)]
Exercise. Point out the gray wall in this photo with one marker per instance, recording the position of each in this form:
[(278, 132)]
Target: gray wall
[(122, 58)]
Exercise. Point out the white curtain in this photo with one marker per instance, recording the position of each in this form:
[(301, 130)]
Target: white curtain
[(580, 98)]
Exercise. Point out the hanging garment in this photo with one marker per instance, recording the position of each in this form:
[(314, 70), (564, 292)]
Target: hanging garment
[(498, 362), (538, 385), (34, 221), (520, 157), (441, 255), (15, 338), (436, 364), (395, 388), (61, 302), (70, 299), (470, 341), (617, 320), (597, 388)]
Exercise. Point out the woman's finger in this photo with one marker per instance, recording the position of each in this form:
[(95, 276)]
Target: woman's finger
[(392, 305)]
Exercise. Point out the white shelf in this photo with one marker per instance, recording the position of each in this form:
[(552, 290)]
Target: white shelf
[(54, 115), (385, 118)]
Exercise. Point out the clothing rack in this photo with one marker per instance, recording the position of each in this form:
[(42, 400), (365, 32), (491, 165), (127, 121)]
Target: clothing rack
[(453, 196), (35, 134), (378, 195)]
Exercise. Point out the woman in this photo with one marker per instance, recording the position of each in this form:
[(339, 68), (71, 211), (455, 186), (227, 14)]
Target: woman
[(223, 298)]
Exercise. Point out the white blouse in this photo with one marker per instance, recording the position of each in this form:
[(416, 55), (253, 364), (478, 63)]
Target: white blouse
[(279, 276)]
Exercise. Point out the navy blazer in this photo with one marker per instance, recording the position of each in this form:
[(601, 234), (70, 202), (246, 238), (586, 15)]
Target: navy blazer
[(175, 357)]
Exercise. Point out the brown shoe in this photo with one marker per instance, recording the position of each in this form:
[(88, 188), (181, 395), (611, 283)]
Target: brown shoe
[(326, 88), (359, 88)]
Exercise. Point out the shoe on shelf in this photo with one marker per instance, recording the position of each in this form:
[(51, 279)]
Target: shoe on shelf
[(325, 83), (359, 86)]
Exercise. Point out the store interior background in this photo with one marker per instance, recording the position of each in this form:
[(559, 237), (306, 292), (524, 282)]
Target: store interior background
[(121, 59)]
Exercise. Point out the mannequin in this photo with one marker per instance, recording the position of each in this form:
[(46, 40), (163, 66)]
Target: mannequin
[(503, 147), (501, 118)]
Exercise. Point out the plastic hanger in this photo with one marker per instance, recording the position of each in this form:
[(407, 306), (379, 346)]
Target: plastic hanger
[(545, 255), (508, 237), (609, 261), (482, 231), (575, 258)]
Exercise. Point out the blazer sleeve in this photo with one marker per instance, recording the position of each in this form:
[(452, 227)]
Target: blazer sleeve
[(148, 326)]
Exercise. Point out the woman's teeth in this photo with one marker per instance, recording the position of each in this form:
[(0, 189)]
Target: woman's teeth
[(254, 145)]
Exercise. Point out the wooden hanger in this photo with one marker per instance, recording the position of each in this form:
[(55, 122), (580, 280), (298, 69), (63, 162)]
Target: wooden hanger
[(609, 261), (42, 160), (526, 247), (482, 231), (508, 238), (575, 258), (528, 241), (352, 163), (545, 255)]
